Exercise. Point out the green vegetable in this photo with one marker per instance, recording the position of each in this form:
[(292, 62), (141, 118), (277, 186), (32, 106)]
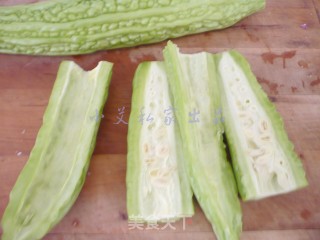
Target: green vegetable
[(64, 27), (52, 178), (264, 161), (157, 183), (195, 90)]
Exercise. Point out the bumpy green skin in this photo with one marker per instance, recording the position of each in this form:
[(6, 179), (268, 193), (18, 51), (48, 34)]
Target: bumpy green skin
[(56, 170), (134, 159), (134, 129), (209, 172), (244, 180), (65, 27)]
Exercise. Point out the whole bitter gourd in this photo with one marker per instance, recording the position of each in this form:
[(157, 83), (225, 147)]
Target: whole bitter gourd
[(62, 27)]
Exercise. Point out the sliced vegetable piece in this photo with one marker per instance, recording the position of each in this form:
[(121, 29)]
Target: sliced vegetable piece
[(64, 27), (157, 184), (53, 176), (195, 90), (264, 160)]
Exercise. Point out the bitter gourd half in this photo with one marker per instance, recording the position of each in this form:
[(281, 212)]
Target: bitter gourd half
[(158, 188), (53, 176), (264, 160), (195, 90)]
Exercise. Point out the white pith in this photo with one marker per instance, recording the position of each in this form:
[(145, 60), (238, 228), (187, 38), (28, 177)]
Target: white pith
[(161, 194), (196, 77), (267, 163)]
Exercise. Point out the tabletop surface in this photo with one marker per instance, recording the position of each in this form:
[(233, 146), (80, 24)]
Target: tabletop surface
[(282, 43)]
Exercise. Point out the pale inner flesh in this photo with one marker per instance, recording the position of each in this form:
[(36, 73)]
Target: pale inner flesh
[(159, 179), (199, 115), (63, 153), (267, 163)]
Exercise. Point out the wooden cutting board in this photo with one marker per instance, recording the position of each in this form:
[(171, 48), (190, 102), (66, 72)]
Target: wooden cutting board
[(282, 44)]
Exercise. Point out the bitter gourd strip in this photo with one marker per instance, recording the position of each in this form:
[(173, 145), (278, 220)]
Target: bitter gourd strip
[(53, 176), (157, 184), (265, 163), (67, 27), (195, 90)]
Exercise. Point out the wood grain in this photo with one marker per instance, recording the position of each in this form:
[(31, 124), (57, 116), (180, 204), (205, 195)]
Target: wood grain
[(249, 235), (282, 43)]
